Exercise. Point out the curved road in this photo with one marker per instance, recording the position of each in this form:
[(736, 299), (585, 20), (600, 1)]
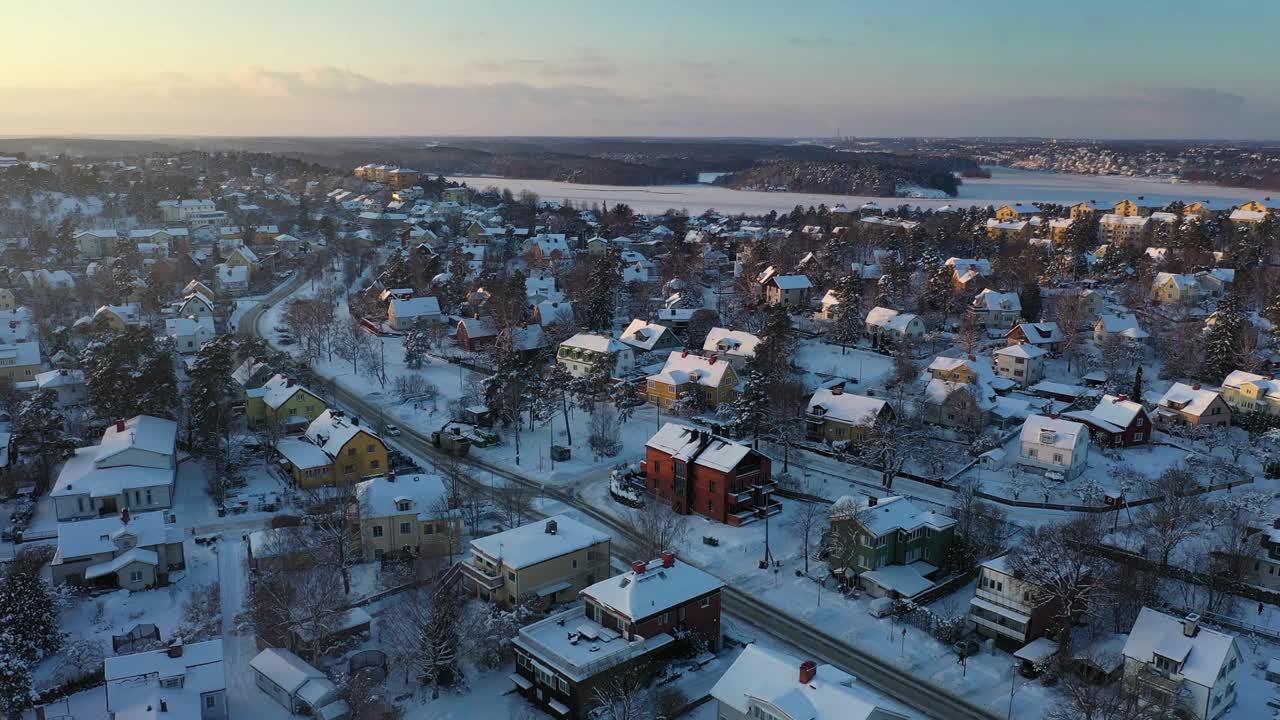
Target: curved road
[(931, 699)]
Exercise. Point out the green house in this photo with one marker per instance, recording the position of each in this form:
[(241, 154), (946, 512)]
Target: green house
[(887, 546)]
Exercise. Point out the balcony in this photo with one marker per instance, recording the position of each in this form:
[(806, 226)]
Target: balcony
[(482, 577)]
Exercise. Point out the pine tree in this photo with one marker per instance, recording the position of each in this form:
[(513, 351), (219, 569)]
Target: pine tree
[(28, 616), (846, 317), (602, 292), (751, 407), (40, 432), (417, 343), (1222, 340), (1030, 300), (15, 679), (130, 373), (440, 646), (209, 394), (1136, 395)]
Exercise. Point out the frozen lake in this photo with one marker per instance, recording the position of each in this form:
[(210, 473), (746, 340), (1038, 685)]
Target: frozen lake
[(1005, 186)]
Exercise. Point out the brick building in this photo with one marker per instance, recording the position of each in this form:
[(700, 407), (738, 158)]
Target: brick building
[(698, 471)]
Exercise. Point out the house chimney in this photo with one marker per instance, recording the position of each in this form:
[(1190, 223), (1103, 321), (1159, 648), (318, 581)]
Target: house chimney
[(1053, 416), (668, 559), (1122, 398), (175, 648), (711, 360), (639, 566), (551, 528), (391, 476), (972, 357), (289, 382), (120, 426), (1196, 386), (871, 501), (124, 516), (684, 353), (164, 705), (1191, 625), (808, 671), (837, 389), (355, 421)]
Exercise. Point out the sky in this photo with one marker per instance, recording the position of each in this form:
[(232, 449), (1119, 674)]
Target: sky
[(799, 68)]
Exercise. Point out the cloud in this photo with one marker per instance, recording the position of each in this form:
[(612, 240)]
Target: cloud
[(584, 64)]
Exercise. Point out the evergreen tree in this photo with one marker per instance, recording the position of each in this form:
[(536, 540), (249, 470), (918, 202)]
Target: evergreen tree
[(602, 292), (751, 407), (416, 344), (1029, 297), (209, 393), (64, 244), (440, 646), (1272, 313), (28, 616), (1136, 394), (1222, 339), (15, 679), (130, 373), (40, 432), (847, 326)]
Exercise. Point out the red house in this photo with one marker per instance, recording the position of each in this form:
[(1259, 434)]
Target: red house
[(1117, 421), (474, 334), (627, 622), (697, 471)]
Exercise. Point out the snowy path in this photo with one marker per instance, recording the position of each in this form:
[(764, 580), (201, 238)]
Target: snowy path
[(244, 699)]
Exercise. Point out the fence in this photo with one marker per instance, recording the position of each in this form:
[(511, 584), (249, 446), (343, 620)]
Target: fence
[(1133, 560)]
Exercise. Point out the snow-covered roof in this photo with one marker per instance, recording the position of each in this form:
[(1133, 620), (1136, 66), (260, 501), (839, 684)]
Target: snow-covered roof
[(791, 282), (963, 265), (184, 326), (1238, 215), (1202, 656), (142, 432), (773, 677), (1130, 220), (554, 311), (1116, 410), (1124, 325), (285, 669), (531, 544), (1265, 384), (990, 299), (1053, 432), (1022, 350), (415, 307), (737, 343), (594, 343), (657, 589), (302, 454), (93, 537), (682, 367), (1040, 332), (578, 647), (888, 514), (889, 319), (331, 432), (643, 335), (59, 378), (845, 407), (700, 447), (134, 681), (1192, 400), (382, 496)]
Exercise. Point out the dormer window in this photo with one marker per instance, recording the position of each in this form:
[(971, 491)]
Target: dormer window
[(403, 505), (172, 682), (1165, 664)]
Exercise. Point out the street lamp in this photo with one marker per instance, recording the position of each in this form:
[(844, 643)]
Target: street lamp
[(1014, 687)]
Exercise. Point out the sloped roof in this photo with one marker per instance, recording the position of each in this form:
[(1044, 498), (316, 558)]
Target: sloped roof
[(730, 342), (846, 407), (658, 588), (682, 367), (1155, 632), (682, 442)]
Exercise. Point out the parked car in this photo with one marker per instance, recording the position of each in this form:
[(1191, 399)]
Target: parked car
[(965, 648)]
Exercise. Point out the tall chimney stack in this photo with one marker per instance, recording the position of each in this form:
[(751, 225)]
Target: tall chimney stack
[(808, 671)]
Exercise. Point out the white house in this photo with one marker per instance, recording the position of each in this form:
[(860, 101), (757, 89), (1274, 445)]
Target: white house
[(581, 353), (133, 467), (402, 314), (1054, 445), (736, 346), (1123, 325), (189, 333), (68, 384), (292, 681), (133, 552), (180, 681), (1023, 364), (765, 684), (886, 326), (645, 336), (231, 279), (1174, 661), (788, 290), (992, 309)]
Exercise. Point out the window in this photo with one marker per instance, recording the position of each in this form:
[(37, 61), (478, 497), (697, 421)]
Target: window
[(369, 449), (706, 602), (428, 528), (713, 486), (711, 506), (349, 468), (564, 686), (405, 528), (135, 576), (374, 464), (149, 497), (511, 576), (403, 505), (1057, 457), (1138, 437), (574, 563), (351, 452), (377, 531), (657, 466), (1032, 452), (210, 701), (137, 497)]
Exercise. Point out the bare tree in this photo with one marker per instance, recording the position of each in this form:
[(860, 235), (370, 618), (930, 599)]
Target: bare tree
[(890, 443), (1170, 520), (515, 501), (657, 527), (808, 518), (1056, 561), (624, 696), (332, 536)]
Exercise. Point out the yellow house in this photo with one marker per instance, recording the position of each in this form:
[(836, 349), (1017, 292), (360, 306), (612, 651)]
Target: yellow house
[(459, 195), (20, 362), (407, 517), (307, 464), (960, 370), (7, 300), (117, 317), (549, 560), (1200, 210), (1247, 392), (1009, 213), (357, 452), (1175, 288), (1084, 210), (1129, 208), (835, 416), (1254, 206), (242, 257), (711, 380), (283, 402)]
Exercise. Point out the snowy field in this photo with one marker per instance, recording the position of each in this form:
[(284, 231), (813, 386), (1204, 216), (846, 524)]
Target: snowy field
[(1005, 186)]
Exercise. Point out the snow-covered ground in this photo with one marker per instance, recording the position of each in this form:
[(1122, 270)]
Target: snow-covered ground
[(1006, 185)]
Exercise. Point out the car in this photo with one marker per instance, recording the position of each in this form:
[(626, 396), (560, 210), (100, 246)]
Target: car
[(393, 430), (286, 340), (8, 534), (966, 648)]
